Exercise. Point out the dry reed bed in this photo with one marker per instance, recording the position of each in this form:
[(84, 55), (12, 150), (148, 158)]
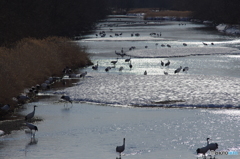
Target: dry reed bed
[(162, 13), (31, 61)]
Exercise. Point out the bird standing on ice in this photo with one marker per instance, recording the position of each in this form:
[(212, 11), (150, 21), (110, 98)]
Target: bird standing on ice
[(30, 115), (120, 149)]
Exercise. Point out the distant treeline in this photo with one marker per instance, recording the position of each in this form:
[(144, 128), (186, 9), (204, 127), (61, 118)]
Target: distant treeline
[(43, 18), (218, 11)]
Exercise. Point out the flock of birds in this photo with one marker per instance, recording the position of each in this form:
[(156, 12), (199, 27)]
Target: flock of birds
[(128, 60)]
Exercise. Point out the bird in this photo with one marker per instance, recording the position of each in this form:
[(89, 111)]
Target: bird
[(95, 67), (184, 44), (168, 45), (162, 63), (30, 115), (212, 146), (120, 149), (107, 69), (165, 73), (185, 69), (66, 99), (83, 74), (168, 63), (114, 62), (32, 127), (212, 43), (121, 68), (127, 60), (202, 150), (178, 69), (145, 72), (130, 65), (5, 108), (204, 43)]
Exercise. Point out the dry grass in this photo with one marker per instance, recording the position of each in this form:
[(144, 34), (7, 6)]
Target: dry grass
[(32, 61), (150, 12)]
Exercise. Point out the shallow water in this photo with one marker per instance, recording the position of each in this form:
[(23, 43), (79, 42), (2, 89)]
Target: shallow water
[(94, 130)]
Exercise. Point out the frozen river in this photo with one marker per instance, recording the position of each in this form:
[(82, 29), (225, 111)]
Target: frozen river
[(110, 106)]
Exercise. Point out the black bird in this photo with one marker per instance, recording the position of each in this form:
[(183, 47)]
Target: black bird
[(162, 63), (120, 149), (168, 63)]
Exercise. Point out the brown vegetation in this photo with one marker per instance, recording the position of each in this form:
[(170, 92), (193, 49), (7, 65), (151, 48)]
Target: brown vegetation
[(151, 12), (31, 61)]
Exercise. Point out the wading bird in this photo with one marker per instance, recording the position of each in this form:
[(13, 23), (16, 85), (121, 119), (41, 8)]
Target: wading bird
[(114, 62), (30, 115), (185, 69), (130, 65), (120, 149), (162, 63), (168, 63), (178, 69), (121, 68), (202, 150), (127, 60), (66, 99), (32, 127), (95, 67), (145, 72), (212, 146)]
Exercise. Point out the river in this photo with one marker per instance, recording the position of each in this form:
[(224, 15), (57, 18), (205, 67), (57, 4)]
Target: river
[(110, 106)]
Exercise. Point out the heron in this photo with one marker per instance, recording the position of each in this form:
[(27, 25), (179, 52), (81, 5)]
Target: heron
[(83, 74), (30, 115), (168, 63), (32, 127), (120, 149), (212, 146), (66, 99), (145, 72), (178, 69)]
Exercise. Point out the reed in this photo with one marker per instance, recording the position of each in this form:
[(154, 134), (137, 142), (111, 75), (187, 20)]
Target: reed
[(149, 12), (32, 61)]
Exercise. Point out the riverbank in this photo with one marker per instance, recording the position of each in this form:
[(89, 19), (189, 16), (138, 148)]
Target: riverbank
[(32, 61)]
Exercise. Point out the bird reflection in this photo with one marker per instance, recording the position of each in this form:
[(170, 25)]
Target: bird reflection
[(32, 142)]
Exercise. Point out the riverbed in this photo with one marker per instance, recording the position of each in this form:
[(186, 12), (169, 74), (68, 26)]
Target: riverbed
[(110, 106)]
